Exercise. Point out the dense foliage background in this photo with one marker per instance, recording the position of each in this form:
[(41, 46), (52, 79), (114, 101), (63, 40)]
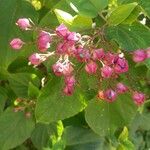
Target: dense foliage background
[(52, 121)]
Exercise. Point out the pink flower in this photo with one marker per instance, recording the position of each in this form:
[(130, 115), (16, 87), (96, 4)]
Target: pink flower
[(82, 55), (121, 66), (110, 95), (23, 23), (106, 72), (70, 81), (16, 43), (35, 59), (139, 55), (98, 54), (138, 98), (62, 30), (109, 58), (148, 53), (91, 67), (58, 69), (121, 88), (68, 90), (44, 40)]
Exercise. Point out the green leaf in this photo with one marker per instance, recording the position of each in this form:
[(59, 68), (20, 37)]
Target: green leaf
[(15, 128), (104, 118), (33, 91), (19, 82), (99, 4), (124, 134), (130, 37), (52, 105), (121, 13), (63, 17), (3, 97), (146, 6), (10, 11), (80, 23), (79, 135), (83, 7)]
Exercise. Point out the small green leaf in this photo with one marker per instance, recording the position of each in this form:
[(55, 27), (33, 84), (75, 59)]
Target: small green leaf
[(121, 13), (33, 91), (124, 134)]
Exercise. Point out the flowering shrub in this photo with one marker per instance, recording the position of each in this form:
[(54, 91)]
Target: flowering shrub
[(74, 68)]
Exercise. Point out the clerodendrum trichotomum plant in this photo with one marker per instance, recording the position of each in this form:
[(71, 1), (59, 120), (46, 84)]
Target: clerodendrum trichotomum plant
[(75, 74)]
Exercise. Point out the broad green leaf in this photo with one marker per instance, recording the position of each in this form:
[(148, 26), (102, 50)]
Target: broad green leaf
[(15, 128), (83, 7), (121, 13), (130, 37), (79, 135), (52, 105), (133, 16), (104, 118), (19, 82), (99, 4), (10, 11)]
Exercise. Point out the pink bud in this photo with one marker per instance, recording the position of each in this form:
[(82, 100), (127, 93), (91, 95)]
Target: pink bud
[(121, 88), (138, 98), (70, 81), (16, 43), (106, 72), (148, 53), (57, 69), (44, 40), (121, 66), (91, 67), (68, 90), (110, 95), (68, 69), (62, 30), (109, 58), (82, 55), (35, 59), (98, 54), (23, 23), (139, 55)]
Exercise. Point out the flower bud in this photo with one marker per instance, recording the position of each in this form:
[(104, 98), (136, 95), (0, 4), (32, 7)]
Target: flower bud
[(35, 59), (106, 72), (57, 69), (44, 40), (62, 30), (70, 81), (109, 58), (138, 98), (23, 23), (68, 90), (16, 43), (91, 67), (110, 95), (121, 66), (98, 54), (121, 88), (139, 56)]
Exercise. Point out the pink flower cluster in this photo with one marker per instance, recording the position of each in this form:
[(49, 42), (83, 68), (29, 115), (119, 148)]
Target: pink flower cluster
[(72, 45)]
